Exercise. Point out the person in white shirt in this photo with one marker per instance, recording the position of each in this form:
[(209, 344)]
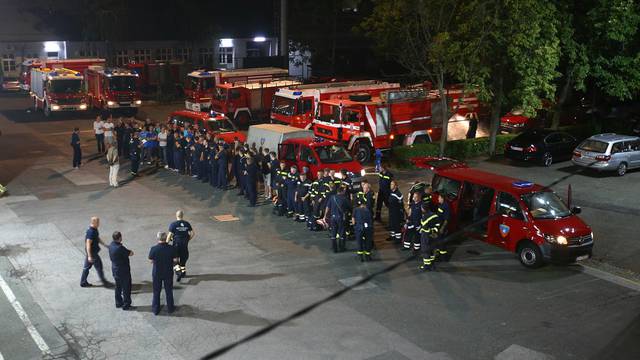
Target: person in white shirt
[(108, 130), (162, 141), (98, 129), (114, 164)]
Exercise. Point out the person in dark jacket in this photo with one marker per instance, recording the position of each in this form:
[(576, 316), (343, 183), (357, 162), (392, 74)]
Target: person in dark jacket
[(162, 255), (252, 181), (384, 189), (291, 183), (121, 270), (77, 152), (396, 213), (337, 207), (135, 147), (363, 227), (170, 145), (222, 166), (412, 236), (213, 163), (302, 198)]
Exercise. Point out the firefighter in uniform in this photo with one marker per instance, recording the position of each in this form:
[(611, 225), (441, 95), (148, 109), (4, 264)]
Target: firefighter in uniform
[(396, 212), (223, 166), (367, 196), (442, 210), (281, 197), (181, 233), (429, 233), (252, 181), (363, 226), (314, 201), (337, 208), (303, 198), (291, 183), (384, 189), (178, 153), (213, 163), (412, 236), (134, 153)]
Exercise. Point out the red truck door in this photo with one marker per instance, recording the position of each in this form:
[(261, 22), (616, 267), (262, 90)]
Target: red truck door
[(288, 153), (308, 159), (507, 224)]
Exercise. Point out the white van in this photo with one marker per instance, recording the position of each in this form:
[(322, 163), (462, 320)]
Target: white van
[(271, 135)]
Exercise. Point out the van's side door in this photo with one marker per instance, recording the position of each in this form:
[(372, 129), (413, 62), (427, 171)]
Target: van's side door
[(508, 223)]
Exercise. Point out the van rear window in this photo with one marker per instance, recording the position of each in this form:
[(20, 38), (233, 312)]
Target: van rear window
[(448, 187), (594, 146)]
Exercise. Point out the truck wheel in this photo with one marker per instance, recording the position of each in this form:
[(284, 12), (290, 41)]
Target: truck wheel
[(530, 255), (362, 152), (46, 110)]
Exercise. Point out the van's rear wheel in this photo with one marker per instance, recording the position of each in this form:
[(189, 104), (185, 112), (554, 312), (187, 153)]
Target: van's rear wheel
[(622, 169), (547, 159), (362, 152), (530, 255)]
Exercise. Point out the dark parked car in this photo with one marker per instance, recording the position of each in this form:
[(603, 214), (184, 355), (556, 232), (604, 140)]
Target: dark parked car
[(541, 145)]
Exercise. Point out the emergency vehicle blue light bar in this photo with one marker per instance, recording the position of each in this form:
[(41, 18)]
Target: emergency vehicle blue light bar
[(522, 184), (297, 93)]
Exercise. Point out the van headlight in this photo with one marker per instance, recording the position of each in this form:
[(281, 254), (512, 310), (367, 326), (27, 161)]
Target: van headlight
[(83, 106), (363, 172), (110, 103), (138, 102), (560, 240), (55, 107)]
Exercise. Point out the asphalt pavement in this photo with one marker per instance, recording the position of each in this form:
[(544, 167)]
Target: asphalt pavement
[(246, 274)]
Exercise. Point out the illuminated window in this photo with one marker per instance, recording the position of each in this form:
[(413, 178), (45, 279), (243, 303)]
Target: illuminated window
[(8, 62), (225, 55)]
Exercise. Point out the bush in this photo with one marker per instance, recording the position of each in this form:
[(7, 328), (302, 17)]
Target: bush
[(457, 149)]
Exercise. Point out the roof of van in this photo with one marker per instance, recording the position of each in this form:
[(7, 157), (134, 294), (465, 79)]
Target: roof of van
[(498, 182), (611, 137), (279, 128)]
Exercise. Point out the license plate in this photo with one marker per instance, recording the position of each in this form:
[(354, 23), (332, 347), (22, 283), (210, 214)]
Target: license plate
[(125, 103), (516, 148), (583, 257)]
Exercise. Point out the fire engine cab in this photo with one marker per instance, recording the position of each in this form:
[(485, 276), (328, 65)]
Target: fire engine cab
[(57, 90), (395, 117), (113, 89), (519, 216), (297, 105)]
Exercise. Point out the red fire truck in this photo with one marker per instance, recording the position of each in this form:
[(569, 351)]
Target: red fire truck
[(247, 102), (395, 117), (57, 90), (78, 65), (200, 84), (296, 105), (113, 89)]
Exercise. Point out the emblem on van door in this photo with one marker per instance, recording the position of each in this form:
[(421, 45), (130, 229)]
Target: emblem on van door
[(504, 230)]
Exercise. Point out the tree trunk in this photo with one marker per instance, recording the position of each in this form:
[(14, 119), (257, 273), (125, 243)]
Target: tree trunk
[(496, 110), (444, 114), (564, 94)]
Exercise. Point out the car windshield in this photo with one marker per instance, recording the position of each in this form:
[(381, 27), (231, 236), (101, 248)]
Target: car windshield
[(122, 83), (283, 105), (546, 205), (221, 125), (594, 146), (65, 86), (333, 154), (220, 94)]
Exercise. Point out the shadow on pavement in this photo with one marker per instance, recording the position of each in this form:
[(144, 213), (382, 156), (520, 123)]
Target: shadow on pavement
[(626, 344), (233, 317), (196, 279)]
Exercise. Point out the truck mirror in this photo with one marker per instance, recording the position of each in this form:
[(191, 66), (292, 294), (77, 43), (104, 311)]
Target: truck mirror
[(576, 210)]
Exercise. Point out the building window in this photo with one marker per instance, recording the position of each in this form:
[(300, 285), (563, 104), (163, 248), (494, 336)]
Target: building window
[(225, 55), (141, 55), (206, 57), (183, 54), (122, 58), (164, 54), (8, 62), (52, 54)]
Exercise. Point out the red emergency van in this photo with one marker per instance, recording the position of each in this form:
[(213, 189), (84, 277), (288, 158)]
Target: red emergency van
[(516, 215), (216, 124)]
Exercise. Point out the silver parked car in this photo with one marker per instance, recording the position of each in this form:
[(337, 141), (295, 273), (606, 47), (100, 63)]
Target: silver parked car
[(609, 152)]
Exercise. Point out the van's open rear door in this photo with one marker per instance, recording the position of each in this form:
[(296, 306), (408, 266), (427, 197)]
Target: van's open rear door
[(437, 163)]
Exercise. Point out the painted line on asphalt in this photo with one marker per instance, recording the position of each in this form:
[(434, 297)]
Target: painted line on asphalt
[(612, 278), (35, 335)]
